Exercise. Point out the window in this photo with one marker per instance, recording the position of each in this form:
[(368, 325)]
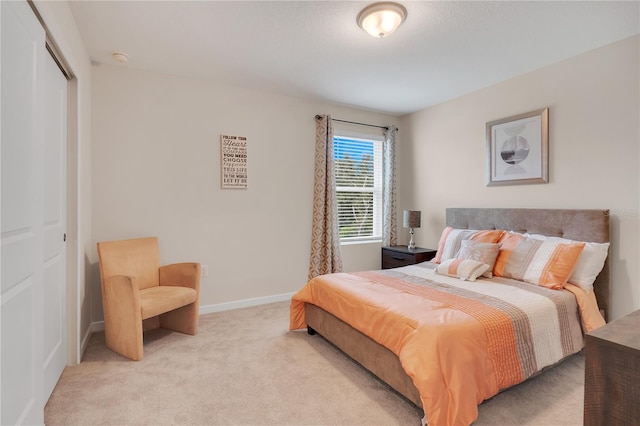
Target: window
[(358, 169)]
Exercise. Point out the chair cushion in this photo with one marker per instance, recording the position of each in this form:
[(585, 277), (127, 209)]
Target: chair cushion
[(158, 300)]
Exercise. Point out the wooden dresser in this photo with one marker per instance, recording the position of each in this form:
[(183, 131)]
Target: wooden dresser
[(612, 373)]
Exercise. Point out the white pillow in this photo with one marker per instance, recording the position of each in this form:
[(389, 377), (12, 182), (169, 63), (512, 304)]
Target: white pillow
[(465, 269), (589, 264)]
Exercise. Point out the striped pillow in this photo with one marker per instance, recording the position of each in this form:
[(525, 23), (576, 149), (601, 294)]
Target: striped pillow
[(589, 264), (451, 240), (465, 269), (545, 263)]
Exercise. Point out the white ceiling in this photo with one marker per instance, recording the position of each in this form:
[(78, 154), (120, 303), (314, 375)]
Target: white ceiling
[(315, 49)]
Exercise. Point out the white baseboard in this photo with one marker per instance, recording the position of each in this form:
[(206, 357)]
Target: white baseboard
[(97, 326), (219, 307), (207, 309)]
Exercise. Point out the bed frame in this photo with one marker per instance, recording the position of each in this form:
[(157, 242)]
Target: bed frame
[(581, 225)]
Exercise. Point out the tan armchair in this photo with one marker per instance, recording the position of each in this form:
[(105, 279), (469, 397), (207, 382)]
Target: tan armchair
[(136, 289)]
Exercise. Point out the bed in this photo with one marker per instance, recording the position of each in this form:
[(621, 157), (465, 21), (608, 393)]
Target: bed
[(449, 377)]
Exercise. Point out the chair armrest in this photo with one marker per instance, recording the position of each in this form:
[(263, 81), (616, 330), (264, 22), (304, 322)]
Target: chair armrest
[(185, 274), (123, 290)]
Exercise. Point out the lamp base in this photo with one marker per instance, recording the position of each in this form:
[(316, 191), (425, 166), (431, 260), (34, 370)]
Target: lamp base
[(412, 244)]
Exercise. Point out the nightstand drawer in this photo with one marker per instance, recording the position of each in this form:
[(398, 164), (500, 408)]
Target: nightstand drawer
[(392, 259), (396, 256)]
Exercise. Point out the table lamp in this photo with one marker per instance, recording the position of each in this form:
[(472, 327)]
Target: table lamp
[(411, 219)]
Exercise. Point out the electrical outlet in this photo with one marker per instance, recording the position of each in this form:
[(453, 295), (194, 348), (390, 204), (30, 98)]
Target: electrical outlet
[(204, 271)]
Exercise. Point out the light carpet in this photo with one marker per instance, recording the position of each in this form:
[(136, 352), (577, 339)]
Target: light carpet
[(246, 368)]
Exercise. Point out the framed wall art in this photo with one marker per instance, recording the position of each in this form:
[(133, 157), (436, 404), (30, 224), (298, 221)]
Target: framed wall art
[(233, 156), (518, 149)]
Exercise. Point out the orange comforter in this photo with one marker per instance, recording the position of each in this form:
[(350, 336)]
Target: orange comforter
[(459, 343)]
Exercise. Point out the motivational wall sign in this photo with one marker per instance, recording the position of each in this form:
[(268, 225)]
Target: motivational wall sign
[(233, 155)]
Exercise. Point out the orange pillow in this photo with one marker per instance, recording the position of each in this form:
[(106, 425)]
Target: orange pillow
[(508, 242), (545, 263)]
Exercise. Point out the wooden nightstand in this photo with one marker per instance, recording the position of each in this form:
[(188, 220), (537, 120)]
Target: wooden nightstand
[(395, 256), (612, 373)]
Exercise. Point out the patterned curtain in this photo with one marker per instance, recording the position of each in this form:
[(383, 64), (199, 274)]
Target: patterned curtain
[(325, 241), (389, 187)]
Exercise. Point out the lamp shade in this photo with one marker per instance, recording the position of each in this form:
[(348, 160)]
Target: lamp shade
[(381, 19), (411, 219)]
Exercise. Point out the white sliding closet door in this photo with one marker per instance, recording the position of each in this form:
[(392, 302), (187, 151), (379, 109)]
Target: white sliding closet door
[(32, 218), (54, 353), (23, 53)]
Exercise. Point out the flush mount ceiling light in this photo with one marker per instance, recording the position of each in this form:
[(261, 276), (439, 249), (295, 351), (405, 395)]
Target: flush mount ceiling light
[(381, 19), (120, 57)]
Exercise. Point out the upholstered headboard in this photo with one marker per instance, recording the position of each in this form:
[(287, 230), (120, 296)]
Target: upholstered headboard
[(579, 225)]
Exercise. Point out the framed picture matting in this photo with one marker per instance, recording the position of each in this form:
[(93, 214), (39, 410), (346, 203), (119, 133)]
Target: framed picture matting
[(518, 149)]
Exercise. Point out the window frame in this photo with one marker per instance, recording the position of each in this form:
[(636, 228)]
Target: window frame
[(377, 190)]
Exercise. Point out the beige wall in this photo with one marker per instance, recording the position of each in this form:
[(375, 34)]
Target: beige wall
[(61, 28), (156, 152), (156, 168), (156, 171), (594, 156)]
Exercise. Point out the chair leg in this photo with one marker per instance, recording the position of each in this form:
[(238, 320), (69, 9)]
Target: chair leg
[(184, 319), (150, 324)]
